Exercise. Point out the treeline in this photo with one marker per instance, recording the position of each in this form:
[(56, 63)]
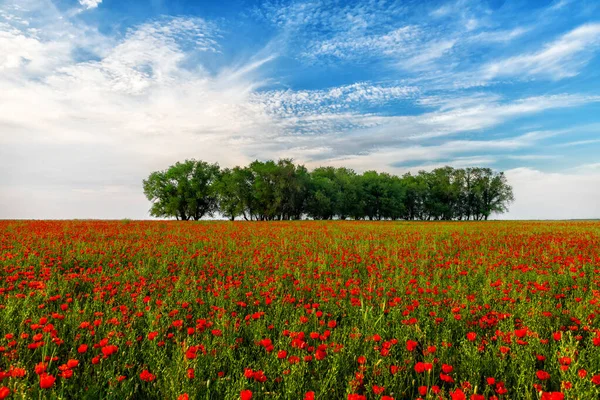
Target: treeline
[(282, 190)]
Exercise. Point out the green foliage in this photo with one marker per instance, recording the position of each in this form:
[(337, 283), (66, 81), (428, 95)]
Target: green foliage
[(269, 190), (184, 191)]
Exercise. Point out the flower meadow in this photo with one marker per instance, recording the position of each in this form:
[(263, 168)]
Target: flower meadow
[(299, 310)]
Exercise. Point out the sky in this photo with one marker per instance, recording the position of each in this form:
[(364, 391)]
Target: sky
[(97, 94)]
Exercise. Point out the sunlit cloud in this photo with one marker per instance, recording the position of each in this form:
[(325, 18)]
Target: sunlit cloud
[(86, 113)]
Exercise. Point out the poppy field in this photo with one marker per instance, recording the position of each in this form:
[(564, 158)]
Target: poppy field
[(299, 310)]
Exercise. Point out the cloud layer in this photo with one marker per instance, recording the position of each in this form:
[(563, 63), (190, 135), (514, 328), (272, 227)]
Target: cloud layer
[(86, 115)]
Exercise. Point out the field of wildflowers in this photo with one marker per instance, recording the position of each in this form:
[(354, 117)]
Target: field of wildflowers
[(299, 310)]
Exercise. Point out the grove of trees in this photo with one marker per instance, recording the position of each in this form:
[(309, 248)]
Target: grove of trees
[(282, 190)]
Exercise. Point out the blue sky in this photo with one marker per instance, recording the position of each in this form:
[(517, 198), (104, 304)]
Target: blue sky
[(95, 94)]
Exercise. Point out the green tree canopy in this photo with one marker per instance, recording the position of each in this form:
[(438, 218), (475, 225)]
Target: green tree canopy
[(185, 190), (282, 190)]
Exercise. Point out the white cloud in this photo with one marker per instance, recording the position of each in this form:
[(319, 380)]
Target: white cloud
[(502, 36), (578, 143), (79, 135), (392, 158), (318, 14), (90, 3), (554, 195), (23, 202), (364, 31), (559, 4), (99, 127), (475, 117), (354, 45), (337, 99), (591, 168), (442, 11), (429, 53), (36, 38), (533, 157), (559, 59), (347, 132)]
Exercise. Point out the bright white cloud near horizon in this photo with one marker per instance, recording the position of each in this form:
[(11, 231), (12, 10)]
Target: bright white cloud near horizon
[(96, 94)]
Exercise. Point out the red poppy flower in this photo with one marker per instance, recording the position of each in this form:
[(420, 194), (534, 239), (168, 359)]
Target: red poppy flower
[(411, 345), (4, 392), (421, 367), (378, 389), (47, 381), (40, 368), (353, 396), (146, 376), (542, 375), (447, 368), (520, 333), (552, 396), (17, 372), (458, 395)]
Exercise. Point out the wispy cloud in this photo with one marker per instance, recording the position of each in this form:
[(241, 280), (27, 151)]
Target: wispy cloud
[(36, 38), (533, 157), (136, 101), (424, 58), (351, 134), (358, 33), (559, 59), (352, 45), (330, 17), (90, 3), (436, 49), (578, 143), (110, 108), (454, 149), (500, 36), (286, 103), (558, 4)]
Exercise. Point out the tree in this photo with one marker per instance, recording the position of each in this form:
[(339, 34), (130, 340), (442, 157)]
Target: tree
[(291, 188), (349, 200), (373, 191), (229, 190), (282, 190), (392, 204), (415, 194), (491, 193), (184, 191), (244, 181), (323, 194), (443, 195)]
